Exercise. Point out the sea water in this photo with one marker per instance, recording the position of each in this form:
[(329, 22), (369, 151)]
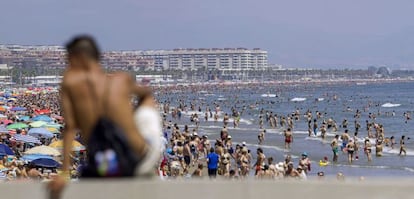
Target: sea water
[(339, 101)]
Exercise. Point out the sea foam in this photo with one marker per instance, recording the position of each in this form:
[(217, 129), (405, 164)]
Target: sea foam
[(390, 105)]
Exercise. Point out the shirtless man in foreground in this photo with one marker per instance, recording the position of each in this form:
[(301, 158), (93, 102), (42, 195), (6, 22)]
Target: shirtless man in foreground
[(87, 93)]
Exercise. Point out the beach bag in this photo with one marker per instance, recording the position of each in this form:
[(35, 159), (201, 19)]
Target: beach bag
[(109, 153)]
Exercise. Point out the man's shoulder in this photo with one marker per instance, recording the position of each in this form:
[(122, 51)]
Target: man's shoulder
[(68, 78), (120, 75)]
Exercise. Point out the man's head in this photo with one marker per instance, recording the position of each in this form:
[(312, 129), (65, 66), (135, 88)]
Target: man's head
[(82, 49)]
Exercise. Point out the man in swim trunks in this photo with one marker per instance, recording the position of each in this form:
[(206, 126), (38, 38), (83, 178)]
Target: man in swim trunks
[(335, 148), (187, 154), (288, 138), (261, 158), (345, 139), (79, 102)]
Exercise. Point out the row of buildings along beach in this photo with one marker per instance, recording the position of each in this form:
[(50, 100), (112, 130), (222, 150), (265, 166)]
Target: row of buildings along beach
[(25, 65)]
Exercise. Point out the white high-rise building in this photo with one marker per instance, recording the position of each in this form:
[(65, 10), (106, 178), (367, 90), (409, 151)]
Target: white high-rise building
[(215, 58)]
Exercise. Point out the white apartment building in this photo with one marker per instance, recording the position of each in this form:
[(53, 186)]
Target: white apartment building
[(203, 58)]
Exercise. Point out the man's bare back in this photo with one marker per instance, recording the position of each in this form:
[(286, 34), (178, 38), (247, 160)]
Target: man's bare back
[(115, 105)]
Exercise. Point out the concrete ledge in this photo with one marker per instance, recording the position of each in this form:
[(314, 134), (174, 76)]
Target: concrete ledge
[(128, 189)]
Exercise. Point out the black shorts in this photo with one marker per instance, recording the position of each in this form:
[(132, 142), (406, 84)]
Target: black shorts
[(212, 172), (187, 160)]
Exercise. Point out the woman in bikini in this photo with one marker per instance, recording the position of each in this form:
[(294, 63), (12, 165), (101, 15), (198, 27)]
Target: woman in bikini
[(367, 148)]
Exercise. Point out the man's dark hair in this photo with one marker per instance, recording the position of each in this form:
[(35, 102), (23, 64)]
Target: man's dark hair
[(84, 45)]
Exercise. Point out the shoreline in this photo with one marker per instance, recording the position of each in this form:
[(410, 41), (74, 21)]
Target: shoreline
[(340, 81)]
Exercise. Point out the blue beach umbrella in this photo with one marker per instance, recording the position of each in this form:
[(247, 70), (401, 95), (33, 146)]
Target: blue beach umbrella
[(45, 163), (24, 118), (44, 118), (18, 108), (31, 157), (5, 150), (26, 139), (40, 132), (4, 130)]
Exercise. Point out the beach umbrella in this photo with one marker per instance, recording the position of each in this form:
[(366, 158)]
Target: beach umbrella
[(40, 132), (26, 139), (38, 124), (76, 146), (53, 125), (31, 157), (44, 118), (5, 150), (6, 94), (6, 121), (43, 150), (18, 108), (45, 162), (3, 129), (24, 118), (11, 99), (52, 130), (18, 125), (43, 111), (58, 117)]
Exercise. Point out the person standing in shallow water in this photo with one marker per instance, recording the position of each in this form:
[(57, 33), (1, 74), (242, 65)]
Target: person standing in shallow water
[(350, 149), (212, 163), (368, 148), (402, 146), (315, 127), (288, 138), (335, 148), (345, 139)]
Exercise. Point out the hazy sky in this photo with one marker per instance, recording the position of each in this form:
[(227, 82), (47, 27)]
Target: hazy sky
[(308, 33)]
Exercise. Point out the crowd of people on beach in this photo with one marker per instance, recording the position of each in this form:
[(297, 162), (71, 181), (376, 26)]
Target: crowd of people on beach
[(186, 148), (13, 163), (186, 153)]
